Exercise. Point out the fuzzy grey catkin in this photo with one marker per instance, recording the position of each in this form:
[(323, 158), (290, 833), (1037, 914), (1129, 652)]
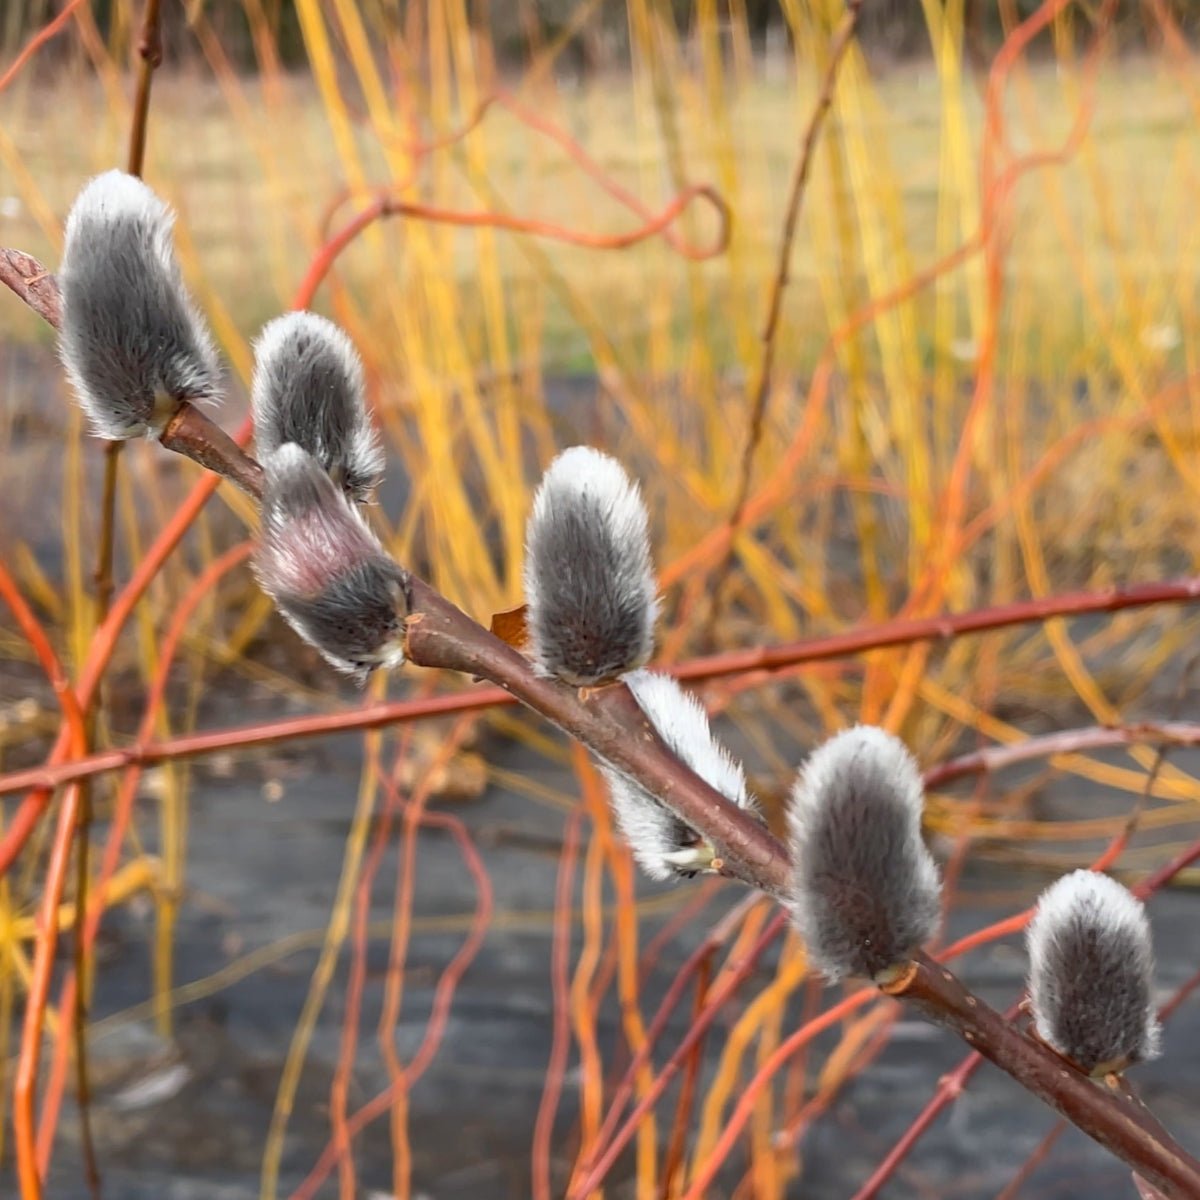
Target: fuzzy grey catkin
[(664, 845), (308, 389), (325, 570), (1091, 973), (865, 890), (589, 579), (132, 342)]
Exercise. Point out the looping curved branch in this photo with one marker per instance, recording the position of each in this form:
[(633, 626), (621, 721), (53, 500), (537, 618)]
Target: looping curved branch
[(389, 205)]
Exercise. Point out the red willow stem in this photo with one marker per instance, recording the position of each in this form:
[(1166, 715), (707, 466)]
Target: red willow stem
[(720, 933), (716, 666), (560, 1045), (600, 1163), (1066, 741)]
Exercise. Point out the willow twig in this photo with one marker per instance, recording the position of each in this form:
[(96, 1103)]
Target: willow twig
[(1109, 1114), (842, 38)]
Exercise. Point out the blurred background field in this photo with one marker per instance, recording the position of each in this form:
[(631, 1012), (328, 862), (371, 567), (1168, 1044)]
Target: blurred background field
[(984, 390)]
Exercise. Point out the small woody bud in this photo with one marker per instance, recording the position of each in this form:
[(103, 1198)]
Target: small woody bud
[(308, 389), (1091, 972), (589, 580), (326, 571), (133, 344), (664, 845), (865, 891)]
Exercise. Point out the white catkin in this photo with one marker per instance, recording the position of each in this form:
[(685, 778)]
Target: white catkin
[(133, 343), (1091, 973), (589, 578), (325, 570), (309, 390), (865, 891)]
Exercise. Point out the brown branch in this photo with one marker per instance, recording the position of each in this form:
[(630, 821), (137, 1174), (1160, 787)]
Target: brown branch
[(149, 49), (1110, 1116), (1066, 741), (608, 721), (840, 43), (32, 283), (193, 434)]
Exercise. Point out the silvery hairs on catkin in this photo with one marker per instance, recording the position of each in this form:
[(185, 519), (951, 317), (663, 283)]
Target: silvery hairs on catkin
[(664, 845), (1091, 973), (589, 578), (325, 570), (308, 389), (132, 342), (865, 890)]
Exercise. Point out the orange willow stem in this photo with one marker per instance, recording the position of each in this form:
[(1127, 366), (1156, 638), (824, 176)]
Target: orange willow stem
[(443, 995), (100, 652), (35, 1001), (716, 1004), (390, 206), (95, 908), (35, 1010), (38, 40), (534, 120)]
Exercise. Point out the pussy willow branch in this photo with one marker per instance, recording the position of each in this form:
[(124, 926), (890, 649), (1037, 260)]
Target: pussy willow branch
[(1013, 1188), (609, 722), (441, 635)]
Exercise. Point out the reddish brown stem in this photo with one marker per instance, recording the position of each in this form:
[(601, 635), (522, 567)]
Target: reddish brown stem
[(1041, 1150), (1065, 741), (842, 38), (196, 436), (687, 1090), (149, 49), (717, 666), (32, 283), (608, 721), (1113, 1118)]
